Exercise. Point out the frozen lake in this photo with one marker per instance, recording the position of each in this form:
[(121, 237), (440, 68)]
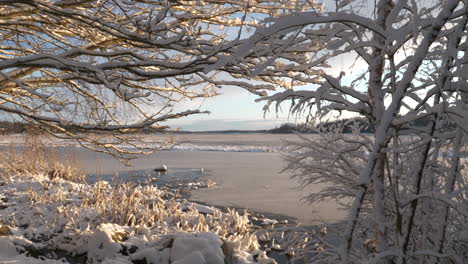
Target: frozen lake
[(246, 168)]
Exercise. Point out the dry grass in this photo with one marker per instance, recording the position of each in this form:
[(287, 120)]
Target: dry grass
[(65, 211), (33, 158), (65, 215), (130, 205)]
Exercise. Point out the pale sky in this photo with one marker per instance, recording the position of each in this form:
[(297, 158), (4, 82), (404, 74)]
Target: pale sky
[(236, 108)]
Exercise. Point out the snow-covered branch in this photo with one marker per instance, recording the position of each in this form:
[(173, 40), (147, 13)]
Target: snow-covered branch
[(77, 66)]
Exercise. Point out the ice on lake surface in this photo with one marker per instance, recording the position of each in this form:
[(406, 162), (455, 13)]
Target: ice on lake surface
[(172, 176)]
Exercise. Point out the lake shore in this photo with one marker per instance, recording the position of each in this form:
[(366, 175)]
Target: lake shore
[(244, 178)]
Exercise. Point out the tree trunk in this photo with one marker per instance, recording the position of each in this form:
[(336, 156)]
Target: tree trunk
[(376, 94)]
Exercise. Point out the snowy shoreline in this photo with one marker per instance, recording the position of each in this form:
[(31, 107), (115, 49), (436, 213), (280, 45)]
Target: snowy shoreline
[(104, 224)]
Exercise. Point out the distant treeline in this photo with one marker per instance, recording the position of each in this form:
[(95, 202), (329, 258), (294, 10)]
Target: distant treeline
[(292, 128), (7, 127), (345, 126)]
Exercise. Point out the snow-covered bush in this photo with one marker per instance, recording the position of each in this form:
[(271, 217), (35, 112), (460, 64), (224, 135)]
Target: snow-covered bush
[(394, 64)]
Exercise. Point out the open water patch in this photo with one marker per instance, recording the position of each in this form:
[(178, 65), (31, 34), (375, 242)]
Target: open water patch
[(187, 178)]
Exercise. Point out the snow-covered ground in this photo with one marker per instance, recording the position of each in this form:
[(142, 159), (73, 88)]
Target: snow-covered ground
[(46, 220)]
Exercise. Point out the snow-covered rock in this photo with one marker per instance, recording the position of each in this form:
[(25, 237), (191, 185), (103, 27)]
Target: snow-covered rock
[(102, 245), (267, 221), (161, 168), (10, 255), (7, 248), (200, 208), (153, 255), (199, 248)]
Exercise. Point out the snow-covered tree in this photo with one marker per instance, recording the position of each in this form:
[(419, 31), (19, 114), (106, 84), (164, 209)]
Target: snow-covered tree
[(405, 65), (116, 66)]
